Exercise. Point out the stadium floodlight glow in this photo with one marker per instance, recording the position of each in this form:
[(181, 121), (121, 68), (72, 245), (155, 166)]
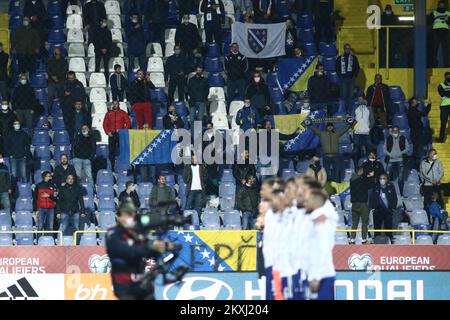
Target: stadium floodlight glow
[(406, 18)]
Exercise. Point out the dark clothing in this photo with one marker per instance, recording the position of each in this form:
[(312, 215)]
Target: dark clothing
[(132, 6), (375, 166), (93, 13), (57, 68), (187, 176), (135, 37), (385, 101), (161, 195), (359, 189), (330, 140), (186, 7), (23, 98), (242, 171), (169, 124), (261, 8), (41, 202), (73, 120), (417, 130), (348, 74), (176, 65), (17, 144), (6, 122), (130, 197), (236, 66), (60, 174), (188, 37), (318, 88), (25, 40), (118, 84), (140, 91), (37, 9), (5, 178), (70, 199), (376, 200), (211, 14), (157, 11), (198, 89), (84, 147), (248, 200), (260, 98), (4, 58), (76, 92)]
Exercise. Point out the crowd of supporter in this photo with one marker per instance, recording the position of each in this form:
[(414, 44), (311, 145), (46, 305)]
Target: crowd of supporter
[(378, 154)]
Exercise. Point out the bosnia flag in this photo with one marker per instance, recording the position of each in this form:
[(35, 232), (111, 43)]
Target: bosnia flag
[(306, 139), (293, 73), (145, 146)]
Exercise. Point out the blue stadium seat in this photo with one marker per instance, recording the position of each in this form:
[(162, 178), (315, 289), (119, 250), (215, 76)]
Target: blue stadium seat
[(181, 108), (287, 173), (333, 77), (24, 190), (89, 204), (46, 241), (302, 166), (41, 121), (23, 218), (5, 220), (59, 150), (54, 7), (106, 219), (345, 149), (57, 22), (310, 49), (88, 239), (58, 123), (159, 123), (102, 150), (226, 189), (182, 192), (41, 138), (227, 176), (38, 80), (52, 47), (276, 95), (305, 21), (5, 240), (306, 35), (106, 204), (56, 36), (211, 219), (283, 8), (144, 189), (124, 176), (396, 93), (61, 138), (14, 22), (24, 239), (105, 190), (329, 64), (232, 220), (216, 80), (399, 107), (194, 217), (328, 49), (67, 240), (158, 94), (121, 186), (123, 167), (105, 177), (272, 79), (213, 65), (24, 204), (41, 94), (87, 189), (411, 189), (227, 202), (213, 50), (401, 120), (14, 8), (56, 109)]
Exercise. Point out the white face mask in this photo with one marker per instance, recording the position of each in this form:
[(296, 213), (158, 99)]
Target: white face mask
[(247, 104), (85, 133), (26, 23), (257, 79), (134, 20), (129, 223), (17, 127), (4, 107), (2, 160), (435, 157), (23, 81), (372, 160), (395, 135), (104, 24)]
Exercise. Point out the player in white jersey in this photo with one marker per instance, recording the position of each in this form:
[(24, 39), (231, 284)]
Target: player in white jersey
[(320, 268)]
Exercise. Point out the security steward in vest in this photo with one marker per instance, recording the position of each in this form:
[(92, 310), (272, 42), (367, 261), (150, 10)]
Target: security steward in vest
[(128, 255), (440, 24), (444, 92)]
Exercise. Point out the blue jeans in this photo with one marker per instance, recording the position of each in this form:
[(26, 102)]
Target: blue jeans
[(197, 113), (235, 90), (46, 219), (19, 169), (83, 164), (4, 199), (347, 86), (248, 221), (194, 201), (361, 142), (333, 166), (396, 170), (69, 219)]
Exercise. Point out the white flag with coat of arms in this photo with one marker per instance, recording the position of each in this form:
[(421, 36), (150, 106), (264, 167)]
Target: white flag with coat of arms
[(260, 40)]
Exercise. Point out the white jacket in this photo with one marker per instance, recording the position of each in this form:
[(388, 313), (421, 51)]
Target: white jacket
[(364, 116)]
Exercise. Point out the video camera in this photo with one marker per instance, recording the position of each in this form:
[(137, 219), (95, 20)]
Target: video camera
[(148, 220)]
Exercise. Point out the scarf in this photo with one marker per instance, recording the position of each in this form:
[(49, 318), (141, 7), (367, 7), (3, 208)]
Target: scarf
[(349, 68)]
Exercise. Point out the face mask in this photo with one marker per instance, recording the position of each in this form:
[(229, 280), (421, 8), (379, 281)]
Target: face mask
[(320, 73), (177, 52), (23, 82), (257, 79), (1, 160), (382, 182), (85, 133), (26, 23), (371, 159), (4, 107), (17, 127), (247, 104), (435, 157), (388, 12), (395, 135), (134, 20)]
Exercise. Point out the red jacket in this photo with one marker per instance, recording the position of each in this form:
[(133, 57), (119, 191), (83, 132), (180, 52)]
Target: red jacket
[(115, 120), (41, 202)]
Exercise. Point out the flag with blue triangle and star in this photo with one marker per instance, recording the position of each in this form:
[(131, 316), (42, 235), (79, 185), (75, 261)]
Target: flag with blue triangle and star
[(145, 146), (293, 73), (230, 250)]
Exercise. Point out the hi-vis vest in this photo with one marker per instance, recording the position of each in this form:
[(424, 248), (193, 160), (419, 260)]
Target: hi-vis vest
[(440, 20), (445, 100)]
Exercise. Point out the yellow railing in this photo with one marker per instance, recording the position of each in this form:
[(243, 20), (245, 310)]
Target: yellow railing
[(76, 233), (413, 231), (341, 42), (36, 232)]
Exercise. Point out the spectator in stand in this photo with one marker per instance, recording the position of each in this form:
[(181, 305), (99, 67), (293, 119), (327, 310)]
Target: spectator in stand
[(102, 43), (17, 148), (242, 170), (187, 36), (214, 15), (7, 118), (186, 7), (23, 102), (83, 149), (383, 201), (140, 100), (176, 72), (161, 196), (259, 94), (115, 119), (194, 175), (156, 14), (417, 128), (198, 91), (248, 201), (396, 149), (316, 171), (75, 118), (363, 114), (94, 13), (440, 19), (379, 98), (73, 91), (5, 185), (291, 37), (246, 117), (263, 10), (373, 165), (57, 68), (435, 212), (360, 184), (431, 174), (134, 31), (444, 92), (25, 44), (323, 21), (132, 6), (236, 66), (44, 202), (4, 78), (171, 120), (347, 68), (318, 89), (63, 170), (388, 18), (36, 12), (330, 148), (130, 195), (118, 83), (241, 8), (70, 205)]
